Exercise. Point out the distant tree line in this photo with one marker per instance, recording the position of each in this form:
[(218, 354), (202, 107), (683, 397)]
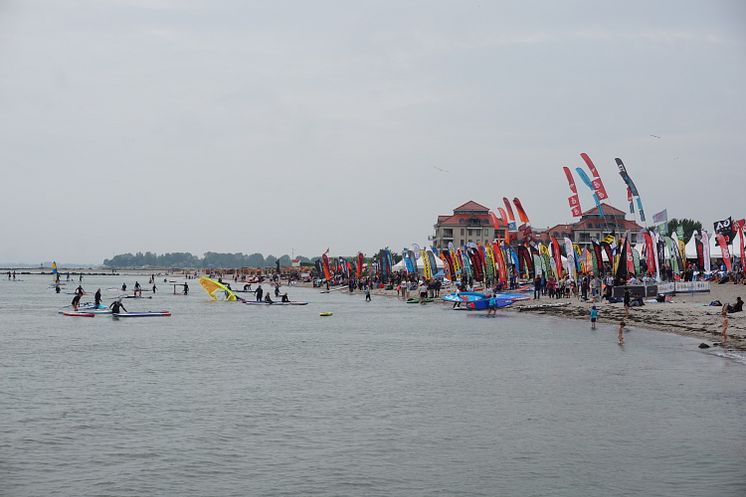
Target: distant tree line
[(187, 260)]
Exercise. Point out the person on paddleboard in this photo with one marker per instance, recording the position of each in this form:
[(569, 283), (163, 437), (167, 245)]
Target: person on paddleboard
[(97, 298), (76, 301), (285, 297), (117, 306), (138, 289), (79, 290), (268, 299), (259, 293)]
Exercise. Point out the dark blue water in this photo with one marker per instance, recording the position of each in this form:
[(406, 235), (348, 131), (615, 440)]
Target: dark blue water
[(224, 399)]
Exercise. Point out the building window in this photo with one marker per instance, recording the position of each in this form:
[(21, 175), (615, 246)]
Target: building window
[(584, 237), (462, 231)]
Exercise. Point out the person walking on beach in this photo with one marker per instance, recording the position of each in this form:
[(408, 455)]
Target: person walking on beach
[(620, 335), (594, 317), (186, 289), (627, 299), (724, 314), (367, 293), (537, 288)]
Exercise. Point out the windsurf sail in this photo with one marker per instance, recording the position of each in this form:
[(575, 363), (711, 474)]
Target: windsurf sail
[(325, 266), (55, 274), (214, 288)]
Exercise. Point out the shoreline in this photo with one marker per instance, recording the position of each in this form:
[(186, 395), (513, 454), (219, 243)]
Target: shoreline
[(687, 315)]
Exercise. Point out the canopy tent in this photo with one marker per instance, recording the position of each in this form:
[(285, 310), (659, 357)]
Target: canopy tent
[(715, 252)]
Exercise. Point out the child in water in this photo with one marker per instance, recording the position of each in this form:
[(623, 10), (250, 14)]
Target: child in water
[(620, 336), (594, 317)]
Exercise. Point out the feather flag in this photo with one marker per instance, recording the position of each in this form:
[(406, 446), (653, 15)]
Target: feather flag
[(557, 254), (598, 185), (570, 254), (521, 213), (722, 242), (511, 218), (573, 199), (631, 185), (589, 184), (706, 251)]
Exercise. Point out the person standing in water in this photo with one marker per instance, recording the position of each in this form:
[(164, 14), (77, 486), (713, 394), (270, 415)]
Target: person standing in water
[(76, 301), (594, 317), (117, 306), (97, 298), (620, 335), (186, 289)]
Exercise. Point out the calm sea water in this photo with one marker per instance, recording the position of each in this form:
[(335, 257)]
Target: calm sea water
[(224, 399)]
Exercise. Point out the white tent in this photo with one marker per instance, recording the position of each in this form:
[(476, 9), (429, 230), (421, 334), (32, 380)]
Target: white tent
[(715, 252), (399, 266)]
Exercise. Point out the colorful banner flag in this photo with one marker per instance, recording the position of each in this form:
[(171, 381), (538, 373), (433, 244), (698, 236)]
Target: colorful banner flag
[(660, 217), (598, 185), (573, 199), (724, 251)]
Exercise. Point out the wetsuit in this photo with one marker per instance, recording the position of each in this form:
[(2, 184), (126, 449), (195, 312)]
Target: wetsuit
[(116, 306), (97, 298)]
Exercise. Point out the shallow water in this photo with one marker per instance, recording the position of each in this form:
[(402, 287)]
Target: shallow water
[(384, 398)]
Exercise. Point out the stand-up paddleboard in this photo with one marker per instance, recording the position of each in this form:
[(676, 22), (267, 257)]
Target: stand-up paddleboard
[(78, 314), (137, 297), (325, 314), (88, 311), (143, 314), (250, 302)]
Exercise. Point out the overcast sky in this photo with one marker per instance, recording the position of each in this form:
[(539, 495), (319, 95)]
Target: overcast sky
[(275, 126)]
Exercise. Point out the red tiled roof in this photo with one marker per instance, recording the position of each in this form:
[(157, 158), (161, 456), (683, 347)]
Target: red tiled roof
[(471, 206), (607, 210), (454, 220)]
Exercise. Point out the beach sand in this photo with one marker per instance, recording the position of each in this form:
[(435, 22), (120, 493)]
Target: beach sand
[(687, 314)]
